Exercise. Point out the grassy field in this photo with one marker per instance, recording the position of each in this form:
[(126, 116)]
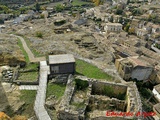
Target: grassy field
[(32, 66), (79, 2), (91, 71), (28, 96), (28, 76), (24, 52), (55, 89)]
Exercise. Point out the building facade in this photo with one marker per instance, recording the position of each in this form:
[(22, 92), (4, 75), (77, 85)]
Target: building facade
[(62, 64), (156, 92), (133, 68), (113, 27)]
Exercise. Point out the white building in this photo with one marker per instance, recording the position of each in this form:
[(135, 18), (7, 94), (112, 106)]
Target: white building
[(156, 91), (113, 27)]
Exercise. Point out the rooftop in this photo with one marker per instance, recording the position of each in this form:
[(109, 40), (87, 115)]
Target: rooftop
[(59, 59), (157, 107), (115, 24), (157, 87)]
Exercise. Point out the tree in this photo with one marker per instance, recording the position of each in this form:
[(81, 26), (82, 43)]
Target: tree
[(111, 19), (37, 6), (119, 12), (120, 20), (59, 8), (131, 31), (96, 2), (1, 21), (126, 28)]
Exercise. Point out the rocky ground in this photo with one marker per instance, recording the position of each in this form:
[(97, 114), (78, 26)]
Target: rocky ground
[(9, 50), (9, 99), (78, 41)]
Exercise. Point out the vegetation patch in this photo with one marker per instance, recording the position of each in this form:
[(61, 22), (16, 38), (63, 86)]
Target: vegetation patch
[(39, 34), (28, 76), (78, 105), (79, 2), (55, 89), (88, 70), (28, 96), (24, 52), (81, 85)]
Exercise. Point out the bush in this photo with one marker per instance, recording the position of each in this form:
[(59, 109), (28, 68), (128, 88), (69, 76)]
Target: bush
[(81, 85), (39, 34)]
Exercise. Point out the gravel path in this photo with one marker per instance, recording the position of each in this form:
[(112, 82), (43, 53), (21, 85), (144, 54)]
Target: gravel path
[(29, 52)]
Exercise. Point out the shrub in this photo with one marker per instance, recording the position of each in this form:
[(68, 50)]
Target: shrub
[(39, 34), (81, 84)]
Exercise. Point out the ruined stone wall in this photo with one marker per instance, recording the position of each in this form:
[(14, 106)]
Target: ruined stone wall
[(65, 111), (104, 103), (108, 118), (108, 89)]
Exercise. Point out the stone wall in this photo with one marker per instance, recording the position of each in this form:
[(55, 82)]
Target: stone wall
[(109, 89), (105, 103)]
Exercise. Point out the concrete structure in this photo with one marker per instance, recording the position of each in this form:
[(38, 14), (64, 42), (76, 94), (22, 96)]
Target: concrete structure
[(62, 64), (156, 109), (113, 27), (133, 68), (39, 108), (28, 87), (156, 92)]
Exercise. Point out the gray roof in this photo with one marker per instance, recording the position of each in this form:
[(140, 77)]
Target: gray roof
[(80, 21), (59, 59)]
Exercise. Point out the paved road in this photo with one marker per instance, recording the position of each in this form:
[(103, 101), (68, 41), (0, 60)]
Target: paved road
[(29, 52)]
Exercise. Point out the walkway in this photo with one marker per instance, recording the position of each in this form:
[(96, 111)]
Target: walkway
[(28, 87), (39, 108), (29, 52)]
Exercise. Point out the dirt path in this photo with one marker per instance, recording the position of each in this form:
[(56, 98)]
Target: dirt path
[(29, 52)]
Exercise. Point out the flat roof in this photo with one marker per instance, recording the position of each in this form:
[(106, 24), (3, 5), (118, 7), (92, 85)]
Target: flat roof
[(157, 107), (59, 59), (157, 87), (116, 24)]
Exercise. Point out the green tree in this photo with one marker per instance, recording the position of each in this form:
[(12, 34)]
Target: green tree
[(128, 1), (1, 21), (119, 12), (131, 31), (37, 6), (126, 28), (111, 19), (59, 8), (39, 34), (23, 10)]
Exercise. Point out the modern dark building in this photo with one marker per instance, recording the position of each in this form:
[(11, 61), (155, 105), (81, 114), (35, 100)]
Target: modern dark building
[(61, 64)]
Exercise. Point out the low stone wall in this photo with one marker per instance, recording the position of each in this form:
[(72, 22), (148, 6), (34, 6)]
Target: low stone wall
[(36, 82), (109, 89), (105, 103), (65, 111)]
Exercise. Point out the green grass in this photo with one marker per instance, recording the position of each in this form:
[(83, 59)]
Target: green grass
[(55, 89), (23, 51), (78, 105), (91, 71), (79, 2), (31, 66), (28, 96), (28, 76)]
